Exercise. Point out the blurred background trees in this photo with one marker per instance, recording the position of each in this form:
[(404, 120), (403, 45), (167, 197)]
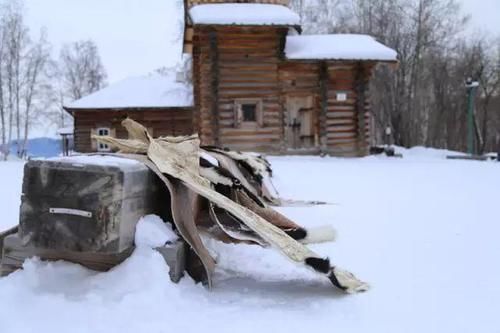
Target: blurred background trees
[(33, 84), (424, 99)]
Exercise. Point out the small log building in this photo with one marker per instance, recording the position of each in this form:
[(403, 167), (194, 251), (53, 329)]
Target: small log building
[(259, 85), (159, 102)]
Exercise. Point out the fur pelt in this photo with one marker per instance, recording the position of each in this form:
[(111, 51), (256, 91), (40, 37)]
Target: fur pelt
[(179, 159)]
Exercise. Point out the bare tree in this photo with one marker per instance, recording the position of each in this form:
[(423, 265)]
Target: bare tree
[(14, 40), (423, 100), (22, 76), (489, 79), (3, 145), (36, 88), (81, 69)]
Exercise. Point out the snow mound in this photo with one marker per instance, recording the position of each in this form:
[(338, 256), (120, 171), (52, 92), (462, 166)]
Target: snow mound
[(426, 153), (152, 232)]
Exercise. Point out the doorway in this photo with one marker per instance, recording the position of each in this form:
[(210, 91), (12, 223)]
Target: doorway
[(300, 120)]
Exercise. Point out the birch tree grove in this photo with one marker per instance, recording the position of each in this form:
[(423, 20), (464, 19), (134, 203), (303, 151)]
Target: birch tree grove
[(22, 67), (81, 68), (424, 99), (80, 73), (33, 86)]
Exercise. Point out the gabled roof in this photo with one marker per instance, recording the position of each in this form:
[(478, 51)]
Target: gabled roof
[(338, 47), (243, 14), (149, 91)]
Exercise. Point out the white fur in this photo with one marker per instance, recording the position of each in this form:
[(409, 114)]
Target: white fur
[(321, 234), (216, 178)]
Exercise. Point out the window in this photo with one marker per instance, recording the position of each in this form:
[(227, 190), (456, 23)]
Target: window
[(341, 96), (248, 113), (103, 131)]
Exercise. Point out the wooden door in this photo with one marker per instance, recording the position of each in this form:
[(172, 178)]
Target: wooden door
[(300, 129)]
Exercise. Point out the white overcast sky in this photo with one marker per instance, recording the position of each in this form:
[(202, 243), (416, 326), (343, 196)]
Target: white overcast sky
[(134, 36), (137, 36)]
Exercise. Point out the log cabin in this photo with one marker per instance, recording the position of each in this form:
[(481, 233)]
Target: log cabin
[(260, 85), (163, 103)]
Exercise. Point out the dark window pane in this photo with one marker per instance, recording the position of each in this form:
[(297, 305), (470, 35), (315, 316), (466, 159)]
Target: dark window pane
[(249, 112), (103, 132)]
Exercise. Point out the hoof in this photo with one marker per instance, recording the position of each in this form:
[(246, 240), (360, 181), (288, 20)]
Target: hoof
[(347, 281)]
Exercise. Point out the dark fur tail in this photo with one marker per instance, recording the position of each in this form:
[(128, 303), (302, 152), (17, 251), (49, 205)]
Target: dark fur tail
[(323, 266)]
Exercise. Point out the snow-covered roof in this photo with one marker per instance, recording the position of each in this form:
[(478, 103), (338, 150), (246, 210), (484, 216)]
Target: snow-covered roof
[(338, 47), (243, 14), (66, 130), (149, 91)]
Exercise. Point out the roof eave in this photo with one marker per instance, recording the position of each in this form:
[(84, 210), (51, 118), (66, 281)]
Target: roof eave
[(386, 61), (298, 27), (68, 110), (125, 108)]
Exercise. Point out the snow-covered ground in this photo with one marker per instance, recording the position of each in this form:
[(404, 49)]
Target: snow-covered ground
[(424, 231)]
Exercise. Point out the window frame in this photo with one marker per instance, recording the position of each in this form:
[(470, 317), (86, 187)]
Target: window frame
[(102, 147), (238, 113)]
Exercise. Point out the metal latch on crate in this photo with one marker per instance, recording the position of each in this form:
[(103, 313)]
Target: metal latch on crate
[(69, 211)]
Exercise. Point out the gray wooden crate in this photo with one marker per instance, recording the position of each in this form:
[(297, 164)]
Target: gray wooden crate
[(85, 210), (15, 253), (85, 205)]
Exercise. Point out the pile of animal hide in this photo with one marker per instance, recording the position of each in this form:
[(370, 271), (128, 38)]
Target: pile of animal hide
[(223, 193)]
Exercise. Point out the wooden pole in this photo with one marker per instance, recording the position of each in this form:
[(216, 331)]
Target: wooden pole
[(498, 146), (282, 98), (214, 82), (323, 87), (360, 108)]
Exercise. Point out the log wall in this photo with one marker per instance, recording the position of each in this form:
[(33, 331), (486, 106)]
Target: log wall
[(347, 122), (300, 79), (247, 63), (342, 126), (188, 28), (238, 63), (163, 122)]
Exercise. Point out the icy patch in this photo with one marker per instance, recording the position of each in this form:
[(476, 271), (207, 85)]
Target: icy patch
[(152, 232)]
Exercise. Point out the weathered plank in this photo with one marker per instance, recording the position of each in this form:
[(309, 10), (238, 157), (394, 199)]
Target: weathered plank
[(15, 253)]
